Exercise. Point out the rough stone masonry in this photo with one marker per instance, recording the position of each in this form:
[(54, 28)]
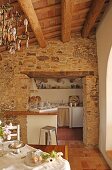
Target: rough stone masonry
[(77, 55)]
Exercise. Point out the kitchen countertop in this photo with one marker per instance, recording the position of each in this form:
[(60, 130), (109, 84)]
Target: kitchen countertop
[(51, 111), (59, 107)]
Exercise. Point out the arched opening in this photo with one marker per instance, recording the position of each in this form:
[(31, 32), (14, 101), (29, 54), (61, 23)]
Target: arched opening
[(109, 103)]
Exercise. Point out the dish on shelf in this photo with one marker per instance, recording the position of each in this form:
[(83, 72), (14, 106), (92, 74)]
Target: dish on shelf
[(75, 100), (34, 100)]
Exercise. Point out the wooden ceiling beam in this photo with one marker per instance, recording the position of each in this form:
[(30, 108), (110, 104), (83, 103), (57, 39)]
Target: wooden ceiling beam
[(28, 9), (92, 16), (66, 19)]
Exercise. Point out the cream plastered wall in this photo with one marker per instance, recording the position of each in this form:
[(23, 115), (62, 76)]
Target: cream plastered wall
[(35, 122), (104, 43), (109, 103)]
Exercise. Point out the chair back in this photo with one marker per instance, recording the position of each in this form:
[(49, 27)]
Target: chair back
[(14, 131)]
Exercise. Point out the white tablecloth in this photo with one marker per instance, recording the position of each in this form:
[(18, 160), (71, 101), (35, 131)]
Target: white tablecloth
[(12, 161)]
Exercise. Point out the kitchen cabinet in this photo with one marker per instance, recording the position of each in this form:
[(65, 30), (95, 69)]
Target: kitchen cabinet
[(76, 116), (63, 116)]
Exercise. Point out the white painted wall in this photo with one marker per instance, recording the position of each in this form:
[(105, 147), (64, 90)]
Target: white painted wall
[(58, 95), (56, 92), (104, 43), (109, 104), (35, 122)]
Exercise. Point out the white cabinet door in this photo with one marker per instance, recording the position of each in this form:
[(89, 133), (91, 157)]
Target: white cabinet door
[(77, 116)]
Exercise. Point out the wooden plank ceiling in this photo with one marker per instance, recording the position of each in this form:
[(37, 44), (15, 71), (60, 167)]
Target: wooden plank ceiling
[(59, 19)]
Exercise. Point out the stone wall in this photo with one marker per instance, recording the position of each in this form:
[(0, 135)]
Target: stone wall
[(77, 55), (22, 119), (91, 111)]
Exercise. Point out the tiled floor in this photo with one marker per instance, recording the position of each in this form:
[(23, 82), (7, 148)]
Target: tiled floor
[(82, 157), (66, 133)]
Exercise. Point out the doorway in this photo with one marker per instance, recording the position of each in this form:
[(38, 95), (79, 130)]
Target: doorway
[(90, 100), (66, 95)]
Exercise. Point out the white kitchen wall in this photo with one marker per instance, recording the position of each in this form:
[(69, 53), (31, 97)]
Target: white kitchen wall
[(58, 95), (54, 91)]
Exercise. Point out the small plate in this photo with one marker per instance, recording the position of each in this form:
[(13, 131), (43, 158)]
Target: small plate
[(28, 160), (16, 145)]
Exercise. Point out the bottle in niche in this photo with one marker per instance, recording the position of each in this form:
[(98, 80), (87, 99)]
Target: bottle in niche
[(72, 86), (70, 104)]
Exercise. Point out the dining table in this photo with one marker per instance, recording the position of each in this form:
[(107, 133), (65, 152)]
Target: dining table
[(20, 161)]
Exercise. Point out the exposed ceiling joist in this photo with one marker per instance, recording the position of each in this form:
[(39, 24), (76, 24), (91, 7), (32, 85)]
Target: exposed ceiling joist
[(66, 19), (92, 16), (28, 9)]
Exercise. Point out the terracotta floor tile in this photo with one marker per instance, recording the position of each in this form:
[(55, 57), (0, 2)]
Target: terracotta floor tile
[(80, 156)]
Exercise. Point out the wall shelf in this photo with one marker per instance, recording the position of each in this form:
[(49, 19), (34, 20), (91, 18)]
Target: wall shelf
[(58, 88)]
